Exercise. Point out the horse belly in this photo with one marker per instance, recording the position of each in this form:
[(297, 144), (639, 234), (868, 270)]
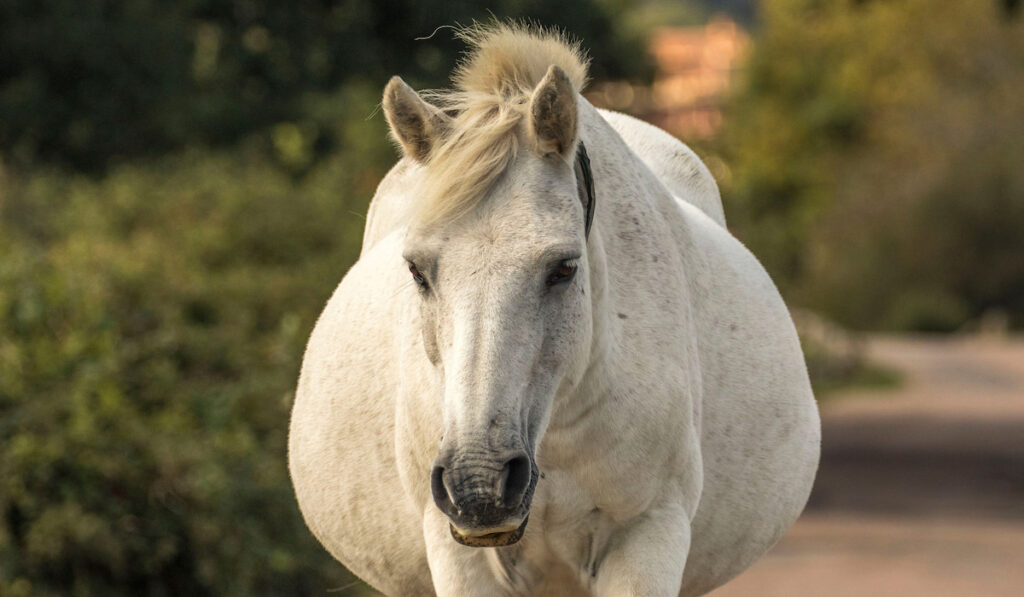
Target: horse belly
[(342, 445), (759, 426), (760, 453)]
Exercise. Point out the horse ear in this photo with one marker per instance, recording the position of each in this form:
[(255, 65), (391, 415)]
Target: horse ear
[(553, 113), (415, 124)]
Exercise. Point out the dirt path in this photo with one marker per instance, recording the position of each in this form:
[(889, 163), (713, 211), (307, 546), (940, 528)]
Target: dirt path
[(921, 489)]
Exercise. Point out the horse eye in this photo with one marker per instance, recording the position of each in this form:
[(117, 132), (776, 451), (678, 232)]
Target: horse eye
[(418, 277), (561, 274)]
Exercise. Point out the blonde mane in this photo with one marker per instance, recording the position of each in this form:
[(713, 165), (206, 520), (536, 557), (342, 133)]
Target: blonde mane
[(493, 86)]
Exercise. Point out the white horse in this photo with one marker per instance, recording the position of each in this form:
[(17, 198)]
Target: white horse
[(502, 398)]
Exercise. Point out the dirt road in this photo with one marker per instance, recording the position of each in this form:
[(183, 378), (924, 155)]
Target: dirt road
[(920, 489)]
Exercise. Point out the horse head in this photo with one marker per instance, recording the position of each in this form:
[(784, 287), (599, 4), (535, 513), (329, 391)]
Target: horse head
[(497, 247)]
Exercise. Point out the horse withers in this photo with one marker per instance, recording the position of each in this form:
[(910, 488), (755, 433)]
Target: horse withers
[(552, 370)]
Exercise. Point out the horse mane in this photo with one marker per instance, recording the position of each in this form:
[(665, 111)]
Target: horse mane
[(492, 89)]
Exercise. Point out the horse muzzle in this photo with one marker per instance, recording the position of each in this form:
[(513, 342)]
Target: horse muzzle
[(486, 500), (492, 539)]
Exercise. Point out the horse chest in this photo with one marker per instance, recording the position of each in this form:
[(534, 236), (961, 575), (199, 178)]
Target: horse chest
[(565, 544), (620, 471)]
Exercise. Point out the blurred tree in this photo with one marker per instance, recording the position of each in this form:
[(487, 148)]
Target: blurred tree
[(876, 159), (84, 83), (152, 327), (639, 17), (744, 11)]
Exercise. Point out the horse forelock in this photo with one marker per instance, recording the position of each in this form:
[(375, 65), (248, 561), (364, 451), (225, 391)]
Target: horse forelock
[(493, 86)]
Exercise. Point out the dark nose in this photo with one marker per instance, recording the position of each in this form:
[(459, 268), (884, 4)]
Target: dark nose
[(480, 494), (515, 479)]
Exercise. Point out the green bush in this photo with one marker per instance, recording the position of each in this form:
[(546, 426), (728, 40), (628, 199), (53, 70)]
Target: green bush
[(153, 324), (876, 159), (88, 84)]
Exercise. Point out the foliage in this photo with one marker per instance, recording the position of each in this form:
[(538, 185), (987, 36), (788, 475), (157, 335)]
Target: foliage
[(743, 11), (90, 83), (876, 159), (153, 323)]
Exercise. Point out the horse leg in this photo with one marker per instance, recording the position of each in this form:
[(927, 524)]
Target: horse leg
[(456, 570), (647, 557)]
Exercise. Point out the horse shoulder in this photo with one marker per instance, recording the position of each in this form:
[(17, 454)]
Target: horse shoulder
[(671, 161), (342, 436)]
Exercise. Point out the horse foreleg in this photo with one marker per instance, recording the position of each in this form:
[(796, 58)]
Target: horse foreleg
[(647, 556), (455, 569)]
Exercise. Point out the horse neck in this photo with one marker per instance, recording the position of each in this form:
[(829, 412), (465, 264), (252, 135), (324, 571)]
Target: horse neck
[(632, 240)]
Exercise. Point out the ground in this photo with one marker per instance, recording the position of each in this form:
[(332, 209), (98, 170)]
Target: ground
[(920, 489)]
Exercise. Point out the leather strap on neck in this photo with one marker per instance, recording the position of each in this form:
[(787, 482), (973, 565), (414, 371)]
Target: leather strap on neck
[(585, 183)]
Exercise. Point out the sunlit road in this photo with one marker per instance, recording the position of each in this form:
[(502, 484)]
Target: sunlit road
[(920, 490)]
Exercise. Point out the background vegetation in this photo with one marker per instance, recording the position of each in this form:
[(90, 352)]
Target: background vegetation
[(182, 185), (877, 162)]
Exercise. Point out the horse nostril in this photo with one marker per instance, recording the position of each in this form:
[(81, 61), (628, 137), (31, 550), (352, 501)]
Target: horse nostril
[(442, 498), (516, 473)]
